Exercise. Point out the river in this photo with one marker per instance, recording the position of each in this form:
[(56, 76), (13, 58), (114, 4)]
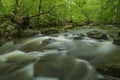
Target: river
[(65, 56)]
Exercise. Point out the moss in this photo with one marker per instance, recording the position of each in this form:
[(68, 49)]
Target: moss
[(111, 65)]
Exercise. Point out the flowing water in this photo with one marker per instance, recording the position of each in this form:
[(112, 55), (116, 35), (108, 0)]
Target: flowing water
[(55, 57)]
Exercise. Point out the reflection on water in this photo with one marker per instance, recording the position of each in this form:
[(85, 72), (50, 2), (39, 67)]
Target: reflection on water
[(35, 56)]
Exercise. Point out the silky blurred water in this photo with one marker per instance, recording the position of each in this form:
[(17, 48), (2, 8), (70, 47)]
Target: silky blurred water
[(27, 53)]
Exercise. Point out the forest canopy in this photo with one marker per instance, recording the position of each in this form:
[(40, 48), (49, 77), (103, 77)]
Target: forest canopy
[(61, 11)]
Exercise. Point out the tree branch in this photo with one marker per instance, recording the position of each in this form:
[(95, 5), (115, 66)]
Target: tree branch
[(44, 12), (28, 8), (21, 2)]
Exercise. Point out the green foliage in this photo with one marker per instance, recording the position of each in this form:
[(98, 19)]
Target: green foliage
[(110, 11), (8, 29), (7, 7), (64, 11)]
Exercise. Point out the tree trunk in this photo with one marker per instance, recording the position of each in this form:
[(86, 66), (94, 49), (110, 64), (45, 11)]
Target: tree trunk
[(39, 10)]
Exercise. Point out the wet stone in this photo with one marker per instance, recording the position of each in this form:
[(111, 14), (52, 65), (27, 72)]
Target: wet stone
[(3, 41), (56, 65), (98, 35), (110, 65), (48, 41), (61, 49), (39, 35), (105, 36), (116, 41), (77, 38), (94, 34), (50, 31)]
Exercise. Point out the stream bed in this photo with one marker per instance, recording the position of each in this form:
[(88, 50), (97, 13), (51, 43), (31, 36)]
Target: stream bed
[(87, 54)]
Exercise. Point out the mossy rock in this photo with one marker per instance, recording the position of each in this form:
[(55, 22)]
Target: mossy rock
[(15, 63), (94, 34), (63, 67), (116, 41), (111, 69), (30, 32), (98, 35), (105, 36), (8, 29), (110, 65), (3, 41), (32, 46), (69, 26), (50, 31), (79, 37), (10, 67)]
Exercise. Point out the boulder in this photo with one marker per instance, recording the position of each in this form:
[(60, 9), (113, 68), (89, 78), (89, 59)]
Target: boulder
[(64, 68), (8, 29), (39, 35), (79, 37), (48, 41), (105, 36), (110, 65), (3, 41), (45, 43), (7, 47), (98, 35), (28, 33), (94, 34), (13, 61), (31, 46), (50, 31), (116, 41), (74, 36)]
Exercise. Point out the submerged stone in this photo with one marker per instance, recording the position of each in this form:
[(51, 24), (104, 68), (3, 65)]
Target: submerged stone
[(64, 68)]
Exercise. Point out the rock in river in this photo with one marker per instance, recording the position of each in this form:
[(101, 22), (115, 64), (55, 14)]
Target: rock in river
[(98, 35), (64, 68), (110, 65), (116, 41)]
